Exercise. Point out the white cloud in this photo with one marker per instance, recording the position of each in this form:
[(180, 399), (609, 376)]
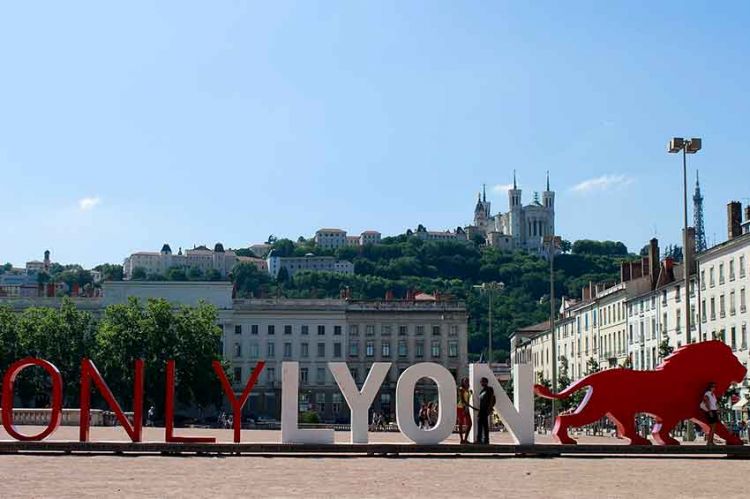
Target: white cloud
[(88, 203), (603, 183), (501, 188)]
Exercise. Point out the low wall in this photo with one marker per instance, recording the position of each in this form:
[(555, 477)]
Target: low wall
[(70, 417)]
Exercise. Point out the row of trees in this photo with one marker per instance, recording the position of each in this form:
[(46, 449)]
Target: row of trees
[(177, 274), (154, 331)]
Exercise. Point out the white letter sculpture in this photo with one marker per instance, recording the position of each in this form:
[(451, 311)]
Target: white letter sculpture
[(446, 387), (519, 418), (290, 431), (359, 401)]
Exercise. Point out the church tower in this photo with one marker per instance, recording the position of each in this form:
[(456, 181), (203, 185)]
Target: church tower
[(515, 222), (548, 201), (482, 210)]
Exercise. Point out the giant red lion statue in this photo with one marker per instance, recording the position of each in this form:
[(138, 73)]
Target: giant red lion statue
[(670, 393)]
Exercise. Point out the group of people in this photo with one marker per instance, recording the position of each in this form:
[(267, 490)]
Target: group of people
[(428, 415), (225, 420), (484, 411), (379, 422)]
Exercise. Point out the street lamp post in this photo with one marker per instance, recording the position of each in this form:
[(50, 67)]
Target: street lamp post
[(687, 146), (490, 288), (552, 243)]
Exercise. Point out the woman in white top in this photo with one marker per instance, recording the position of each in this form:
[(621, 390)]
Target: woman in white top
[(709, 405)]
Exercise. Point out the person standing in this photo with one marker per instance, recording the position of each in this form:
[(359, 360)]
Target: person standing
[(463, 418), (710, 406), (486, 405)]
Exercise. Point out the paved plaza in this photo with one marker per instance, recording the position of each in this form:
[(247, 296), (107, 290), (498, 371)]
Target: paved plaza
[(440, 476)]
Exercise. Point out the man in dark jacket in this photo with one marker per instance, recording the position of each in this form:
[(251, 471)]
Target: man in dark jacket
[(486, 405)]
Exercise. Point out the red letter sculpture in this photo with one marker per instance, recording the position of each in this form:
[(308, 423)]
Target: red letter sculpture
[(55, 407), (89, 371), (169, 435), (670, 393), (237, 404)]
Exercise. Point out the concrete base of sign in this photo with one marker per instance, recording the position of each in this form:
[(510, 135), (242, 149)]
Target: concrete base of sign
[(306, 450)]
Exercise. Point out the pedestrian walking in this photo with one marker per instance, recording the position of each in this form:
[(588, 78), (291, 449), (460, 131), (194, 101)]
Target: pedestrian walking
[(486, 406), (710, 407)]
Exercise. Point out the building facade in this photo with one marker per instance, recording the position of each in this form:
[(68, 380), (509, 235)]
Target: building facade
[(200, 257), (294, 264), (522, 227), (338, 238)]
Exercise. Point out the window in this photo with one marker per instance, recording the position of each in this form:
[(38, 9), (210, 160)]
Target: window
[(703, 310), (354, 330), (321, 349), (419, 349), (238, 329), (270, 350), (453, 330), (731, 269), (713, 308), (337, 330), (271, 329), (678, 321), (254, 350), (270, 375), (385, 349), (320, 401), (403, 330), (711, 281), (238, 350), (336, 403), (721, 273), (436, 348), (653, 328), (369, 330), (303, 375), (287, 350), (677, 296), (304, 350), (732, 309), (321, 330), (337, 350), (419, 331), (320, 376), (386, 330), (742, 266), (370, 349), (403, 350), (435, 330), (305, 330), (237, 375), (742, 300), (744, 336), (355, 374), (452, 349), (288, 329), (703, 279), (722, 309), (254, 329), (354, 349), (733, 338)]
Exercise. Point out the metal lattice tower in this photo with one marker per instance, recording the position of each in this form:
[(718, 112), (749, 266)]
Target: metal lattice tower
[(700, 231)]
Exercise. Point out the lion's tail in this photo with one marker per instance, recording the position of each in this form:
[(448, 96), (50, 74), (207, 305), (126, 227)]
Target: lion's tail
[(543, 391)]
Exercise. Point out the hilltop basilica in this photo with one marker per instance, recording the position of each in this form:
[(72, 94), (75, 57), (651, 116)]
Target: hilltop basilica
[(519, 228)]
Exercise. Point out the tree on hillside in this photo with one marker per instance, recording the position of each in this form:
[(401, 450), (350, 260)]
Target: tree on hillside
[(606, 248), (250, 281), (139, 274), (674, 252), (283, 247), (245, 252), (110, 272)]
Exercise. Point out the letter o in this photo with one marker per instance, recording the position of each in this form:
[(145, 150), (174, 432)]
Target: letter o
[(55, 411), (446, 387)]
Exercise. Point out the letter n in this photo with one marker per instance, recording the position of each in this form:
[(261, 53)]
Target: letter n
[(90, 372)]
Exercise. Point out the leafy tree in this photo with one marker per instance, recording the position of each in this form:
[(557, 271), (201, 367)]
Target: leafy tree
[(195, 274), (283, 275), (665, 349), (139, 274), (566, 246), (606, 248), (674, 252), (245, 252), (283, 247), (249, 281), (213, 275), (110, 272), (156, 332), (6, 268)]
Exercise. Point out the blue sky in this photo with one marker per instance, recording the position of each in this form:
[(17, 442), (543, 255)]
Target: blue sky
[(126, 125)]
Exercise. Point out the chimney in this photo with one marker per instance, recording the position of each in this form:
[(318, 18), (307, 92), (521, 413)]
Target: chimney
[(624, 271), (645, 267), (653, 261), (747, 213), (636, 269), (734, 219)]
